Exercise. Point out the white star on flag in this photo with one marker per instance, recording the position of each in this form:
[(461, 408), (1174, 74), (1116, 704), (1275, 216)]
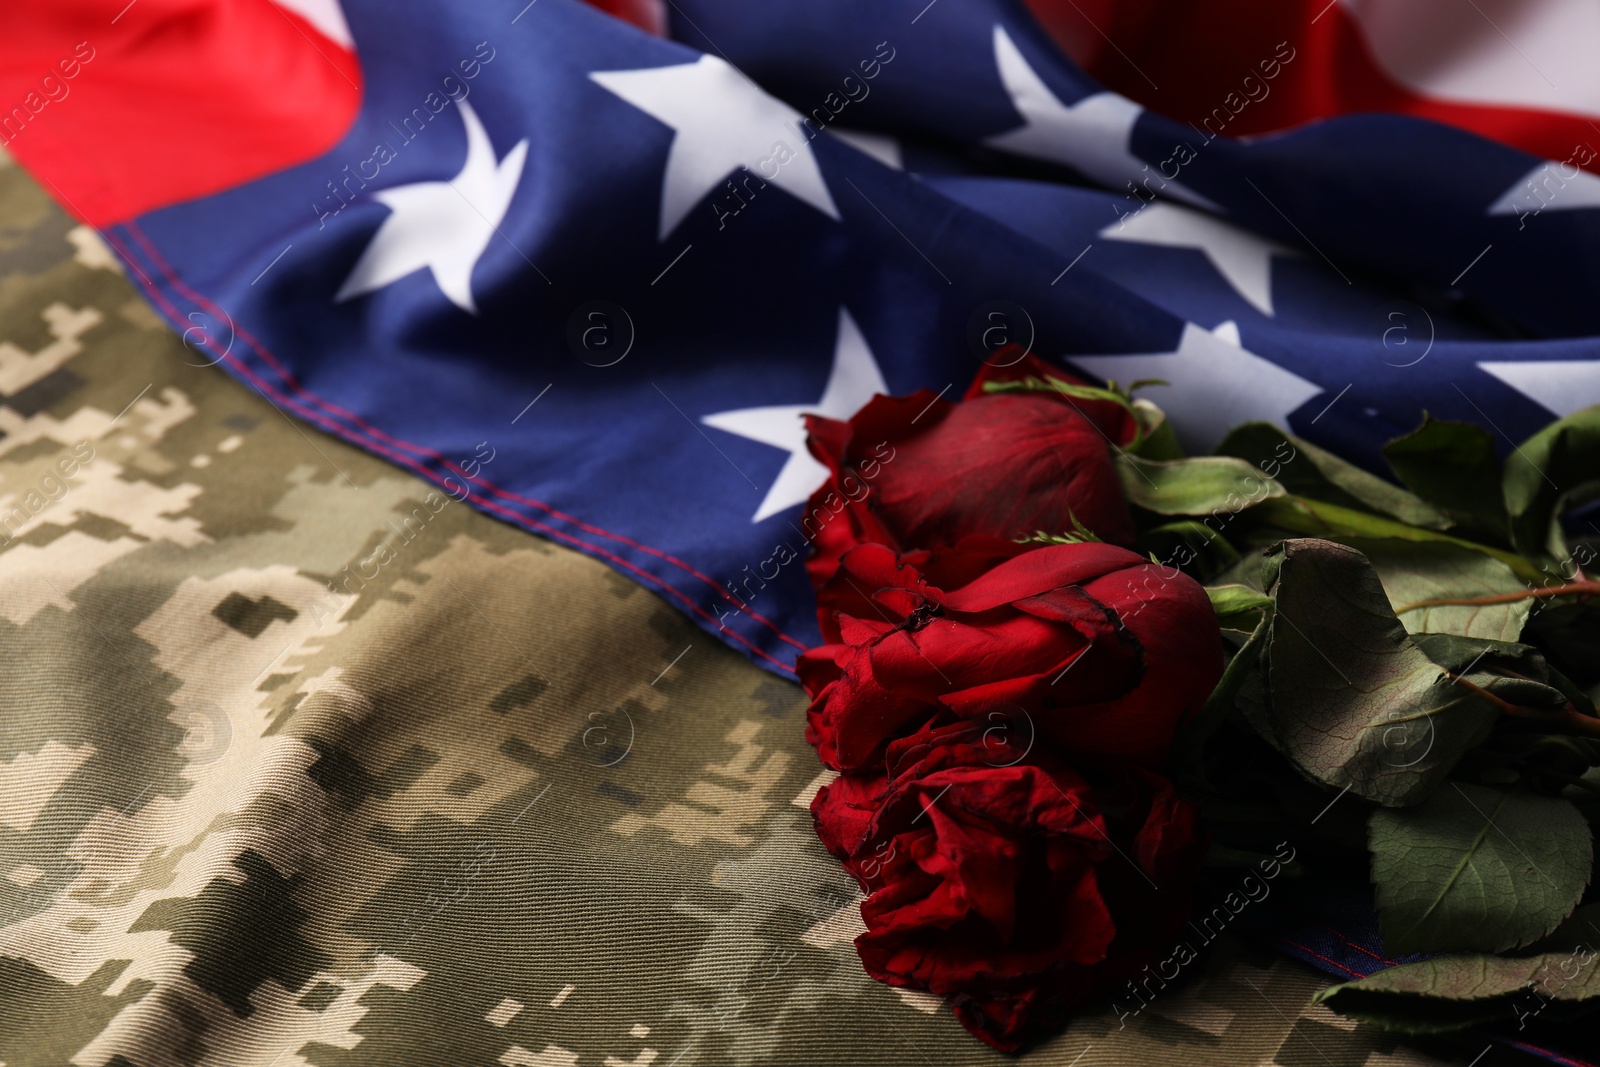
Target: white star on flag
[(1563, 386), (1241, 257), (722, 123), (1228, 330), (443, 226), (854, 380), (1215, 384), (1549, 186), (1092, 136)]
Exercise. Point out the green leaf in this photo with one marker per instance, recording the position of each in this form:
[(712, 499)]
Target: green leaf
[(1206, 485), (1238, 607), (1560, 463), (1455, 992), (1405, 1013), (1316, 518), (1352, 700), (1190, 545), (1474, 869), (1529, 680), (1159, 440), (1250, 696), (1306, 470), (1247, 571), (1453, 466), (1474, 977), (1412, 572), (1568, 632), (1457, 653)]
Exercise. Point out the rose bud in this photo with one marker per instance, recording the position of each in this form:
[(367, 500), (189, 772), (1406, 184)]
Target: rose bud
[(1018, 889), (919, 472), (1102, 651)]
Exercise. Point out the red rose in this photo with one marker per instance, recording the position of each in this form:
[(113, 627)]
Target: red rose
[(1101, 650), (851, 593), (918, 472), (1014, 885)]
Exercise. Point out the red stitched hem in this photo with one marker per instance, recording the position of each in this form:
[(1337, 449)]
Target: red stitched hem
[(1359, 948), (171, 276), (1549, 1054), (410, 463), (1318, 955)]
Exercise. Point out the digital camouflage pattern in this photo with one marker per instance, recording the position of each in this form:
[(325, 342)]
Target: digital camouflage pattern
[(304, 762)]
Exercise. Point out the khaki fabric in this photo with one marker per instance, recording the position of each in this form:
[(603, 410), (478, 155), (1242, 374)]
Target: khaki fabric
[(302, 762)]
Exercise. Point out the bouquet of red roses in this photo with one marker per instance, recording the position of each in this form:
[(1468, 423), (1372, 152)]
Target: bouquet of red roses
[(1003, 681), (1021, 657)]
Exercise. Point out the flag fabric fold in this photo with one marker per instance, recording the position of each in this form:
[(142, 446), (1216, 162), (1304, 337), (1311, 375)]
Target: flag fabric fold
[(627, 265)]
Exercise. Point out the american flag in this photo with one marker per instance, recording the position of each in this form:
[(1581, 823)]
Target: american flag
[(624, 263)]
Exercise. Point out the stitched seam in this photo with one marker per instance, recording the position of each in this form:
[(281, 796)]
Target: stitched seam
[(1318, 955), (411, 463), (289, 380), (1550, 1054), (1351, 944)]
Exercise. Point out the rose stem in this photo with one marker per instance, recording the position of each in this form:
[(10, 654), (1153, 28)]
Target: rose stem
[(1540, 592), (1568, 716)]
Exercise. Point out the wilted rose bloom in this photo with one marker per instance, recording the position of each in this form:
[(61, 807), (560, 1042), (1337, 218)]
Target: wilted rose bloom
[(1007, 881), (1103, 651), (920, 472)]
